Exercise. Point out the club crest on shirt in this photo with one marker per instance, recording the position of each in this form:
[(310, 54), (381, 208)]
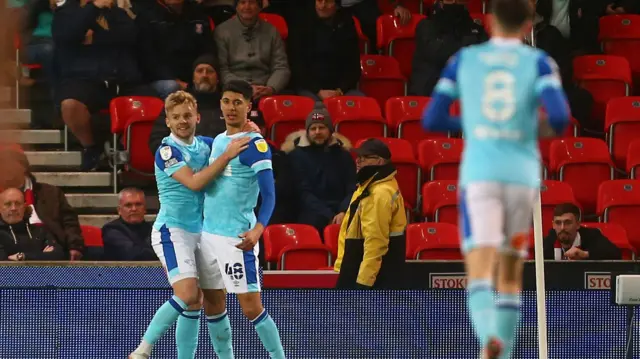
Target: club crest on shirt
[(262, 146), (165, 152)]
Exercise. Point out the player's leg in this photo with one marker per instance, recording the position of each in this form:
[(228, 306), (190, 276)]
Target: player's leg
[(176, 252), (518, 208), (188, 330), (266, 328), (481, 219), (215, 307)]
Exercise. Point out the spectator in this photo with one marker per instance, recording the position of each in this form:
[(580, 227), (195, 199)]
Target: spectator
[(96, 49), (19, 239), (371, 244), (128, 238), (570, 241), (437, 39), (48, 203), (205, 89), (324, 54), (173, 34), (367, 12), (324, 174), (285, 210), (251, 50)]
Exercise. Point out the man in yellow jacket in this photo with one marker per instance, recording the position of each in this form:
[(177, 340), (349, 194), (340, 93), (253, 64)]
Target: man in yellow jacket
[(371, 250)]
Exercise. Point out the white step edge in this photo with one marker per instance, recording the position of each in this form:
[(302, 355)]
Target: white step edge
[(104, 200), (99, 220), (15, 116), (32, 137), (75, 179), (54, 158)]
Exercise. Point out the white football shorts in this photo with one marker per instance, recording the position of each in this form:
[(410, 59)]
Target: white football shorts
[(176, 250)]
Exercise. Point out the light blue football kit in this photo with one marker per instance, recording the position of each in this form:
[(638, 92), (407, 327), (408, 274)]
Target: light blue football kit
[(501, 85)]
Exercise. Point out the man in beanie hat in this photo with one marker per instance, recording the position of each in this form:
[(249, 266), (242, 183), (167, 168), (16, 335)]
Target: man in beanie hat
[(371, 244), (173, 34), (324, 174)]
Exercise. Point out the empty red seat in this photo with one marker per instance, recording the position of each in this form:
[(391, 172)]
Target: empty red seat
[(619, 202), (398, 40), (633, 159), (92, 236), (381, 78), (583, 163), (605, 77), (331, 239), (284, 115), (620, 35), (363, 40), (553, 193), (404, 115), (440, 201), (617, 235), (431, 241), (622, 124), (278, 22), (356, 117), (295, 247), (440, 158)]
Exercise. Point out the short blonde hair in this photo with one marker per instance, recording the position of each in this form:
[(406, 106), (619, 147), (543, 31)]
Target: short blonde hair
[(179, 98)]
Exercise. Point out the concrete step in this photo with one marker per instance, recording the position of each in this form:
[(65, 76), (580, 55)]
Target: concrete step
[(15, 117), (104, 201), (33, 137), (54, 158), (75, 179), (98, 220)]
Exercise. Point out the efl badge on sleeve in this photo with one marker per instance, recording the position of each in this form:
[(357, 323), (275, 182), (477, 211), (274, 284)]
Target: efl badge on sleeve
[(262, 146), (165, 153)]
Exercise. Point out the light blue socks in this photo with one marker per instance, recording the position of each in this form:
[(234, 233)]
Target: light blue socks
[(187, 332), (481, 309), (220, 335), (164, 318), (269, 335), (507, 318)]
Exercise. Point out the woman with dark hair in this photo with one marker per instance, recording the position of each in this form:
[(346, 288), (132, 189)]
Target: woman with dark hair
[(48, 203)]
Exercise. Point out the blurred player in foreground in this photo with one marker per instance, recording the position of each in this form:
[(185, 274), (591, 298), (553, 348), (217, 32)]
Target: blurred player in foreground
[(181, 172), (231, 231), (500, 85)]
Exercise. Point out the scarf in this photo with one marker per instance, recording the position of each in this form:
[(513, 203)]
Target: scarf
[(30, 200)]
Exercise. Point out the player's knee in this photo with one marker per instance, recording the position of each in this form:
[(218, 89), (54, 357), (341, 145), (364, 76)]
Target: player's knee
[(198, 304), (189, 295), (214, 301), (252, 310)]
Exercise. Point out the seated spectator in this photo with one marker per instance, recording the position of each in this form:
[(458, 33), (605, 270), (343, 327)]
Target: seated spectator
[(19, 239), (128, 238), (251, 50), (49, 206), (324, 174), (569, 241), (367, 12), (439, 37), (173, 33), (96, 50), (205, 90), (324, 53)]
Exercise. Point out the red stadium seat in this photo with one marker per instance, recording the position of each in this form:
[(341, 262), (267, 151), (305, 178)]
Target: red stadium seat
[(408, 175), (431, 241), (381, 78), (622, 124), (387, 7), (553, 193), (440, 201), (285, 114), (331, 239), (356, 117), (479, 18), (278, 22), (617, 235), (583, 163), (133, 117), (620, 36), (92, 236), (362, 38), (440, 158), (404, 115), (295, 247), (633, 159), (605, 77), (398, 40), (619, 202)]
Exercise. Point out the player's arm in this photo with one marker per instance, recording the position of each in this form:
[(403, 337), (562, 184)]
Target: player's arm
[(436, 115), (375, 221), (548, 87)]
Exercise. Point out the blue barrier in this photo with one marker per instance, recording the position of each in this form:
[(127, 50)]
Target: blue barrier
[(101, 313)]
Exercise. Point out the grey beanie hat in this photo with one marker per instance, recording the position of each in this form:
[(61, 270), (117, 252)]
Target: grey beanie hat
[(319, 115)]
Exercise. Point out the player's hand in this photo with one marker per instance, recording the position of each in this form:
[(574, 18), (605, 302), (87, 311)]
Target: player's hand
[(75, 255), (337, 219), (251, 126), (403, 14), (236, 146), (250, 238), (576, 254)]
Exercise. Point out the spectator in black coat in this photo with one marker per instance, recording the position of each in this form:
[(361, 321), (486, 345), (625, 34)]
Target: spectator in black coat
[(323, 53), (173, 33), (205, 89), (96, 54), (569, 241), (20, 240), (439, 37), (128, 238), (324, 174)]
